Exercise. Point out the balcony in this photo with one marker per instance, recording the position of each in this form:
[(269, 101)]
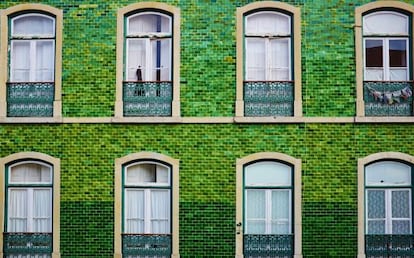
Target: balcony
[(268, 98), (147, 98), (389, 246), (30, 99), (146, 245), (268, 246), (27, 244), (388, 98)]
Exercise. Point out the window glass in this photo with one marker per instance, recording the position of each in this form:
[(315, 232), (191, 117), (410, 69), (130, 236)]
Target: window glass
[(148, 22), (373, 53), (385, 23), (33, 24), (398, 52), (268, 23), (280, 212), (255, 59), (147, 173), (30, 173), (387, 173), (255, 211), (268, 173), (160, 211), (134, 214)]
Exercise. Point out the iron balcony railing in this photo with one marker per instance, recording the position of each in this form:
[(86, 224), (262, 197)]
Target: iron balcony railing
[(268, 98), (30, 99), (147, 98), (389, 246), (388, 98), (146, 245), (27, 244), (280, 246)]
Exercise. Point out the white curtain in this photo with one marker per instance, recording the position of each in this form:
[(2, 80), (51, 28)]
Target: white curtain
[(401, 215), (136, 58), (281, 212), (34, 24), (17, 210), (385, 23), (255, 59), (20, 61), (42, 210), (160, 211), (255, 212), (279, 52), (134, 211), (44, 68), (376, 212)]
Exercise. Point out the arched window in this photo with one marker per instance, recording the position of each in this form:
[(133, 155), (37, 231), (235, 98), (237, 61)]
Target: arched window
[(33, 57), (146, 206), (31, 210), (268, 206), (268, 60), (383, 39), (148, 61), (387, 195)]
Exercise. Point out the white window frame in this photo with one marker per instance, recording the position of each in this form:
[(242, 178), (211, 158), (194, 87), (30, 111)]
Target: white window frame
[(268, 210), (388, 209), (34, 40), (386, 69)]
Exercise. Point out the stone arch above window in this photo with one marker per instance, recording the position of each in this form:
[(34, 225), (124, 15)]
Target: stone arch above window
[(383, 53), (41, 170), (277, 75), (152, 29), (286, 173), (146, 171), (43, 41)]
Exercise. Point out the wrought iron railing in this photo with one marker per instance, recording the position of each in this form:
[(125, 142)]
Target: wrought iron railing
[(268, 98), (146, 245), (268, 246), (388, 98), (389, 246), (30, 99), (27, 244), (147, 98)]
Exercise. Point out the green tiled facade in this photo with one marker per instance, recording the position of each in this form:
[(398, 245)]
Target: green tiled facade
[(207, 152)]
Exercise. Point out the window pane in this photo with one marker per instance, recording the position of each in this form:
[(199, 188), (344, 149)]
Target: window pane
[(398, 53), (400, 201), (280, 227), (147, 173), (376, 204), (136, 59), (374, 74), (255, 227), (255, 204), (160, 212), (30, 173), (376, 227), (279, 60), (385, 23), (134, 211), (161, 60), (45, 61), (148, 22), (387, 173), (401, 227), (255, 59), (33, 24), (17, 210), (268, 173), (268, 23), (281, 211), (373, 53), (42, 210), (398, 74), (20, 61)]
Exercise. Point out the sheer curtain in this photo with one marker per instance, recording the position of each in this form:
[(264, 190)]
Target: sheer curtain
[(17, 210), (255, 212), (160, 211), (134, 211), (280, 220), (20, 61), (42, 210)]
